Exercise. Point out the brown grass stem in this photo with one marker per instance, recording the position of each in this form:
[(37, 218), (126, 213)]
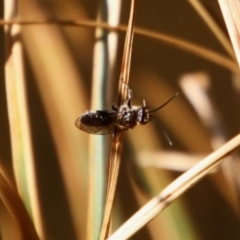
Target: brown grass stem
[(117, 141)]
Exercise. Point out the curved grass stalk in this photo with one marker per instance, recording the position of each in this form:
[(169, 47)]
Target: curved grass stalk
[(195, 49)]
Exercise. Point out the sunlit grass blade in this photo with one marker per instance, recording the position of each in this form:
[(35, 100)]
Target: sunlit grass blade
[(174, 190), (231, 14), (21, 142)]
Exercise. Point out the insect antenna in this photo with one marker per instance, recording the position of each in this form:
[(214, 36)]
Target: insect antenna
[(163, 131), (166, 136), (164, 104)]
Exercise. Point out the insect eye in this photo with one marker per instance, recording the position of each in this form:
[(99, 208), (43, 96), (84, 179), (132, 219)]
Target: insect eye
[(143, 115)]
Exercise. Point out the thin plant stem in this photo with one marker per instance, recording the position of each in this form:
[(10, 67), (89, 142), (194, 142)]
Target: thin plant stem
[(117, 141)]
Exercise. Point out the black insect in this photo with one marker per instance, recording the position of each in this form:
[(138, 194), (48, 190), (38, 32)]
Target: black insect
[(118, 119)]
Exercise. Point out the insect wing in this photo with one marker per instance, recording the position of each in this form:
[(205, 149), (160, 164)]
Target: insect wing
[(99, 122)]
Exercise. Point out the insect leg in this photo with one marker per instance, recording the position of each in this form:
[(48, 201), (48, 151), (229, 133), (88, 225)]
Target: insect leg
[(114, 107), (144, 103)]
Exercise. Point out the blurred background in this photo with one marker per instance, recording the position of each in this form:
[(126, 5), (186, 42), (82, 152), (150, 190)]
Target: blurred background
[(58, 64)]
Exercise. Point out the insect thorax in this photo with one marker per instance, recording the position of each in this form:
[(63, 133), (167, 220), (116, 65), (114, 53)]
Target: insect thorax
[(128, 118)]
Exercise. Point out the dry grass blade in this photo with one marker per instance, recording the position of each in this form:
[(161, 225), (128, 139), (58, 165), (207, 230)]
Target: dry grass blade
[(15, 221), (21, 142), (174, 190), (231, 13), (213, 26), (118, 136)]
